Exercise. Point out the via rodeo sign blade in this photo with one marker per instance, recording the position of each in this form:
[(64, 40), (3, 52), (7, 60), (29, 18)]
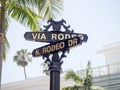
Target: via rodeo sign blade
[(57, 46), (60, 37), (51, 36)]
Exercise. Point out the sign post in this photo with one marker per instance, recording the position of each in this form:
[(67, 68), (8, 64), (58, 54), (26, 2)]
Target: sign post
[(55, 69), (60, 41)]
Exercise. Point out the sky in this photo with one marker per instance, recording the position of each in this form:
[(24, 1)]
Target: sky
[(99, 19)]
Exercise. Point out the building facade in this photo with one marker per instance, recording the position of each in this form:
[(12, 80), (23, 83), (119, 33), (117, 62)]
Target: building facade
[(107, 76), (40, 83)]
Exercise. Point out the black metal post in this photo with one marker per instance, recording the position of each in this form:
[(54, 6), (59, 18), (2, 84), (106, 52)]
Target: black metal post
[(54, 80), (55, 69)]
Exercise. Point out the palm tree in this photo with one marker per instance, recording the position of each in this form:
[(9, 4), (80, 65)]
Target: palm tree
[(81, 83), (45, 68), (22, 58), (22, 11)]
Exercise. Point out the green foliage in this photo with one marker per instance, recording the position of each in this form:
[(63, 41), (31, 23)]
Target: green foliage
[(75, 87), (24, 15), (22, 58), (28, 13), (88, 78), (74, 76), (45, 68), (50, 8), (81, 83)]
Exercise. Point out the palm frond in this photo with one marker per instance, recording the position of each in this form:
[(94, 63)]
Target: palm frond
[(15, 58), (75, 87), (22, 57), (74, 76), (18, 53), (33, 3), (24, 15), (50, 8)]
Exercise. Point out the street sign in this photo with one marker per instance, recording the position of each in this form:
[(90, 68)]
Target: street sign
[(56, 46), (52, 36), (60, 41)]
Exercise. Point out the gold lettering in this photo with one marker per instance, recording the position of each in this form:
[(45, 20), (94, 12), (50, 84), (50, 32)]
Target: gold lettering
[(43, 36), (62, 45), (61, 36), (48, 49), (53, 47), (37, 52), (75, 41), (44, 50), (57, 46), (54, 36), (69, 43), (34, 36), (72, 42), (38, 36)]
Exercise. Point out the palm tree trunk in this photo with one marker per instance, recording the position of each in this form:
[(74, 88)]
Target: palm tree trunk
[(25, 73), (1, 49), (2, 33)]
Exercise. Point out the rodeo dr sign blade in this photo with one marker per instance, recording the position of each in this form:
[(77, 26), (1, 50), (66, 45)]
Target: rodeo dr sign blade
[(57, 46)]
